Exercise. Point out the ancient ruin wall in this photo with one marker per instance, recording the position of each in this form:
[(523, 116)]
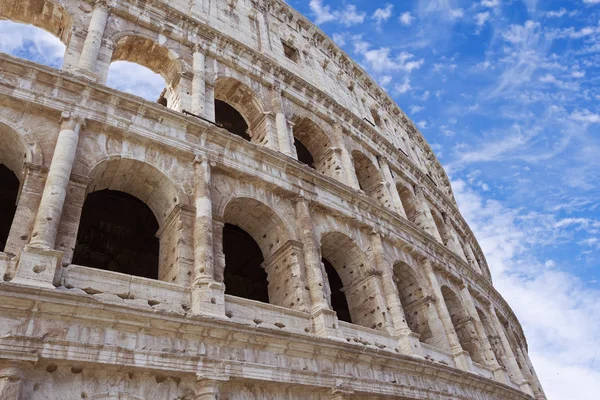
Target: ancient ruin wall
[(424, 318)]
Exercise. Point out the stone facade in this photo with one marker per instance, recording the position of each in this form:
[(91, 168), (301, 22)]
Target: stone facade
[(426, 321)]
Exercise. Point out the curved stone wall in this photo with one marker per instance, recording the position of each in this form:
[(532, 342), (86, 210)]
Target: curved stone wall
[(375, 203)]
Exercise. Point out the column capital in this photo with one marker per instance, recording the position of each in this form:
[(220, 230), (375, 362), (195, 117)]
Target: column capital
[(71, 120), (102, 4)]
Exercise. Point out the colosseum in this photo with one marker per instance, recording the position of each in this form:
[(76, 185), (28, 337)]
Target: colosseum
[(273, 227)]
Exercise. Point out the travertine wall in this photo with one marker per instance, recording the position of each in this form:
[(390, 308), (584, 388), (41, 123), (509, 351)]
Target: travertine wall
[(427, 322)]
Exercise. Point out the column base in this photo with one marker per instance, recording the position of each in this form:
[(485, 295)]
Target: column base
[(409, 343), (209, 298), (325, 323), (501, 375), (462, 359), (5, 266), (82, 73), (37, 267)]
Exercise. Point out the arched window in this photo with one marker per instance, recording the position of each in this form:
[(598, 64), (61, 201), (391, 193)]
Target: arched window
[(230, 119), (413, 301), (344, 263), (314, 148), (493, 338), (117, 233), (463, 325), (339, 304), (9, 190), (138, 80), (150, 59), (408, 200), (371, 180), (36, 30), (238, 109), (260, 257), (304, 155), (244, 275)]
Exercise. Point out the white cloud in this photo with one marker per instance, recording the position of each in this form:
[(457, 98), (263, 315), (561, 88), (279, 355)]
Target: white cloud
[(456, 13), (482, 18), (490, 3), (406, 18), (380, 60), (591, 1), (585, 116), (560, 316), (557, 14), (403, 87), (415, 109), (135, 79), (422, 124), (339, 38), (31, 43), (383, 14), (347, 16)]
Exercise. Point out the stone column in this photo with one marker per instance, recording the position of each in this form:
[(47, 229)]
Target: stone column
[(511, 361), (423, 217), (323, 316), (209, 89), (198, 84), (284, 134), (207, 389), (33, 178), (461, 357), (347, 164), (391, 184), (39, 261), (207, 294), (530, 375), (486, 347), (11, 380), (407, 339), (55, 190), (93, 40)]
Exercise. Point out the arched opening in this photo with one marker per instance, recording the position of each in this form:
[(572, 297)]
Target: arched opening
[(463, 325), (230, 119), (243, 275), (413, 301), (9, 190), (314, 148), (493, 338), (117, 233), (408, 200), (348, 262), (440, 225), (137, 80), (36, 30), (303, 153), (369, 178), (238, 109), (258, 254), (31, 43), (155, 60), (339, 304), (376, 117)]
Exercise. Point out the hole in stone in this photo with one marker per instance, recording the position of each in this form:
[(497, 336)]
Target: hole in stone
[(338, 297), (9, 190)]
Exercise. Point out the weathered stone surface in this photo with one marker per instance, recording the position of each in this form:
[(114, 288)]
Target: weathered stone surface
[(375, 205)]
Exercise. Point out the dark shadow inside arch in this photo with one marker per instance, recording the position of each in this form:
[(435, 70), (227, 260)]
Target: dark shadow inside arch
[(243, 275), (9, 190), (339, 304), (117, 233), (230, 119), (304, 155)]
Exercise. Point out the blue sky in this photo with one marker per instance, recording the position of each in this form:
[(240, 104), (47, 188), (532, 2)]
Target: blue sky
[(508, 95)]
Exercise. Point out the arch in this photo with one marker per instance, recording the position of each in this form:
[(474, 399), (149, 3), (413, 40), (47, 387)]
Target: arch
[(44, 14), (122, 183), (139, 179), (9, 191), (349, 262), (409, 201), (117, 233), (493, 337), (280, 253), (463, 325), (369, 177), (414, 301), (235, 100), (152, 55), (316, 142), (259, 221)]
